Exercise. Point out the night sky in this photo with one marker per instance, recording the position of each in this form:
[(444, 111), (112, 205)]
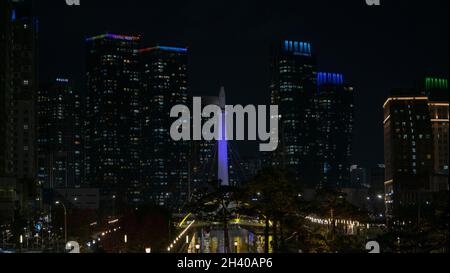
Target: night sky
[(376, 48)]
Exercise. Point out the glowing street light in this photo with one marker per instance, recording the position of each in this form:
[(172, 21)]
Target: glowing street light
[(65, 219), (197, 248)]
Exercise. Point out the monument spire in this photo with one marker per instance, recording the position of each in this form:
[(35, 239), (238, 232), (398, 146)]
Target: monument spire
[(222, 143)]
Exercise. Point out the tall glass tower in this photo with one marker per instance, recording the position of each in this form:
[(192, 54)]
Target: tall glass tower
[(113, 116), (293, 86), (335, 113), (165, 162)]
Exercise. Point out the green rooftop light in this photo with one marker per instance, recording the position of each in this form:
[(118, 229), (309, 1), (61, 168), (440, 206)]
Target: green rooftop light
[(435, 83)]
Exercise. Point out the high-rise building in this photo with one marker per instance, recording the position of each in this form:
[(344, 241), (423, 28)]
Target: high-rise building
[(335, 112), (376, 178), (204, 153), (252, 166), (18, 90), (293, 86), (165, 168), (59, 130), (408, 141), (6, 16), (437, 91), (113, 117), (24, 88), (358, 177), (7, 183)]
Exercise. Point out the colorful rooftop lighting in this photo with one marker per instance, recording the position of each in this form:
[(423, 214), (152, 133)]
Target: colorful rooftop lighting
[(164, 48), (298, 48), (114, 36), (329, 78), (435, 83)]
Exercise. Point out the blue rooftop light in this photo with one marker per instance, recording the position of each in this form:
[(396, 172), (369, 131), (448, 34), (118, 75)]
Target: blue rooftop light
[(329, 78), (298, 48), (13, 15), (174, 49)]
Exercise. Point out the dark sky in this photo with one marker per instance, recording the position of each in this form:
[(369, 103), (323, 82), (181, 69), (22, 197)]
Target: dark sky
[(377, 48)]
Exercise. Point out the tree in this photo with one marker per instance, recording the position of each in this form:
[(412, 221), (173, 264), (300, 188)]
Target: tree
[(217, 203), (274, 196)]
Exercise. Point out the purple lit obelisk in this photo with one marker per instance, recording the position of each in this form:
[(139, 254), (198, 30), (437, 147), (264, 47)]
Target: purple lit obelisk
[(222, 143)]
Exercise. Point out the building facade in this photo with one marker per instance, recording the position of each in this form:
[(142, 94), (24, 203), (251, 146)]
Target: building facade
[(60, 135), (335, 114), (293, 86), (18, 92), (112, 138), (165, 167), (437, 91), (409, 154)]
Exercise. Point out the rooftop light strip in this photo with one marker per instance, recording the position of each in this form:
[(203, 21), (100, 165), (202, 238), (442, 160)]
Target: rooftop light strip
[(165, 48), (403, 99), (300, 48), (329, 78), (114, 36)]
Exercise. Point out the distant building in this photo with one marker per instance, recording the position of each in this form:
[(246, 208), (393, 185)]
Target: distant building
[(203, 153), (25, 86), (335, 115), (252, 166), (60, 135), (376, 178), (437, 91), (9, 199), (409, 152), (165, 161), (79, 198), (18, 92), (293, 85), (6, 17), (358, 177), (112, 138)]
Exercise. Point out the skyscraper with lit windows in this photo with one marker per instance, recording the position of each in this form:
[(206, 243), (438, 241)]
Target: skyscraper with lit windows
[(408, 146), (113, 116), (293, 86), (335, 112), (165, 168), (437, 91), (6, 17), (60, 155), (18, 92)]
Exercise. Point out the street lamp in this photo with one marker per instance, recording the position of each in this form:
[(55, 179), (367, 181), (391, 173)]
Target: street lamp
[(148, 250), (65, 219), (21, 242), (197, 248), (236, 246), (125, 241)]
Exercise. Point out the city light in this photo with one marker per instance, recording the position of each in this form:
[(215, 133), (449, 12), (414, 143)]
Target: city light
[(111, 135)]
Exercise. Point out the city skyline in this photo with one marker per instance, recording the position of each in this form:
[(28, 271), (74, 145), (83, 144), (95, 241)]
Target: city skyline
[(100, 152), (242, 37)]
